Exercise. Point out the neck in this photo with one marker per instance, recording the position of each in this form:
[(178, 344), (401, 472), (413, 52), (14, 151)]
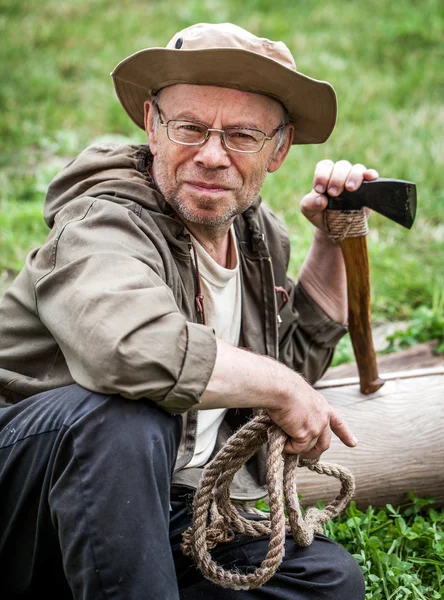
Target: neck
[(217, 241)]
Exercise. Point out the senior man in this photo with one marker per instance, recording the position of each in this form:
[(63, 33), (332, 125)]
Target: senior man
[(157, 315)]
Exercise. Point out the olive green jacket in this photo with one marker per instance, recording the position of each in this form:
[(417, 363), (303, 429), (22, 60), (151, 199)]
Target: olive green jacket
[(108, 301)]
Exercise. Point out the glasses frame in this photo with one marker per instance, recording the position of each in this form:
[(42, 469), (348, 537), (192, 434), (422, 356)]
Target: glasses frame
[(222, 132)]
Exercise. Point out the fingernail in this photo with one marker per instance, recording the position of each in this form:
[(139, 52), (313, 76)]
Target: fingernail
[(354, 440), (319, 188), (351, 185), (319, 200), (333, 191)]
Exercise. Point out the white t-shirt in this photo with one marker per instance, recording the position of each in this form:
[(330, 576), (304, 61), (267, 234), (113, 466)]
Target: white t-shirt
[(221, 289)]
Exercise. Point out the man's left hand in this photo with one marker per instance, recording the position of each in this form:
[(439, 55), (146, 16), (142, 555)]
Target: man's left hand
[(332, 178)]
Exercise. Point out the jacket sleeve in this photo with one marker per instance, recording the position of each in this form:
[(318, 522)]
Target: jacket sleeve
[(101, 291), (307, 335)]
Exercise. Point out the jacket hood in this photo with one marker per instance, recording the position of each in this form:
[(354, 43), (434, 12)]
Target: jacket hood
[(116, 172)]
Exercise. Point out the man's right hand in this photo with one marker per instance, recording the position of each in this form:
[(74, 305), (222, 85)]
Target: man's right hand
[(241, 379)]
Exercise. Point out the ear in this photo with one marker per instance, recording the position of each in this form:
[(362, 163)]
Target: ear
[(148, 120), (280, 154)]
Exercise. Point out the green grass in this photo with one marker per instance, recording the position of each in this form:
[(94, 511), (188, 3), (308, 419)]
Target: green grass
[(427, 323), (385, 61), (400, 550)]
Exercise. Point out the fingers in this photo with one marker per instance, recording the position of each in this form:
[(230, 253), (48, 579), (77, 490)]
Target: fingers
[(305, 423), (308, 419), (340, 428), (312, 449), (313, 446), (332, 177), (371, 174)]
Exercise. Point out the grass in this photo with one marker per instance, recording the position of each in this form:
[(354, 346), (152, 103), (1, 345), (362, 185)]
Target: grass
[(426, 324), (398, 549), (385, 61)]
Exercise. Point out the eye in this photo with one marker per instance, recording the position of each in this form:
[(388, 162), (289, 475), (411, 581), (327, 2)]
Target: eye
[(241, 135), (187, 132), (186, 127), (190, 127), (244, 135)]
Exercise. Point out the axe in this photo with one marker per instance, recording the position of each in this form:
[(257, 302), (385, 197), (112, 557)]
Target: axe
[(394, 199)]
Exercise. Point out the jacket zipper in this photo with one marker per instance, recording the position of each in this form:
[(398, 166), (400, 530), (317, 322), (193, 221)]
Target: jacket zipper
[(274, 313)]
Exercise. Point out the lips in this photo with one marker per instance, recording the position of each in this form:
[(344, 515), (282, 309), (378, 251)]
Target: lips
[(210, 186)]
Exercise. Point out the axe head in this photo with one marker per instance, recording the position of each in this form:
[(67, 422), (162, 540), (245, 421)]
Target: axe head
[(392, 198)]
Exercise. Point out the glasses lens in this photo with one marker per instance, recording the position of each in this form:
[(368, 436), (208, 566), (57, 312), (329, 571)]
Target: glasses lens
[(186, 132), (244, 140)]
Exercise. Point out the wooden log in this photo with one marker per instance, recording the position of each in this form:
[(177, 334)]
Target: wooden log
[(400, 431), (420, 356)]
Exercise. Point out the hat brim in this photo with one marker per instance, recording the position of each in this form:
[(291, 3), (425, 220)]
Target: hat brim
[(310, 102)]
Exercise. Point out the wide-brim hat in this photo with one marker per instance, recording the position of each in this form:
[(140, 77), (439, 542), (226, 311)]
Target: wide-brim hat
[(228, 56)]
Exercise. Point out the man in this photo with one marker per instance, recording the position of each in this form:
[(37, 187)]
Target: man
[(156, 316)]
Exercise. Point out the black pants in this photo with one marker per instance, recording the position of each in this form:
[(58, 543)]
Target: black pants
[(85, 511)]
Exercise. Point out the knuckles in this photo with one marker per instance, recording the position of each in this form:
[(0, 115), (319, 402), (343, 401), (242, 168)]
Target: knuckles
[(343, 164)]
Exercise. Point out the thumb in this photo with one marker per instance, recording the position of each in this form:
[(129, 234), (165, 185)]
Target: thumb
[(312, 206)]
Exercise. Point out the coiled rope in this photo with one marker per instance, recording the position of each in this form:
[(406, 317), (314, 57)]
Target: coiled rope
[(216, 519)]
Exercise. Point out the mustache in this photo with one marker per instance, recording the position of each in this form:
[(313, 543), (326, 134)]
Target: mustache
[(222, 179)]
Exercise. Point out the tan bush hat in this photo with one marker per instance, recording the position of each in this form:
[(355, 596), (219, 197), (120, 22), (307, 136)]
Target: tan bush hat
[(227, 55)]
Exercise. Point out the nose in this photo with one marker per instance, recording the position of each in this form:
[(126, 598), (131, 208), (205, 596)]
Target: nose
[(212, 153)]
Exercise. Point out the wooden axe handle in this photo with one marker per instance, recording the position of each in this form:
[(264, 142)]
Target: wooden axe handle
[(355, 254)]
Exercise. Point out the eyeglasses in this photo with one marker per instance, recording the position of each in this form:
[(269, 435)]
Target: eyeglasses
[(238, 139)]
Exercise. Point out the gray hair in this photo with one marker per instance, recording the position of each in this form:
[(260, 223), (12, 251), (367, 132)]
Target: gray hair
[(281, 134), (154, 99)]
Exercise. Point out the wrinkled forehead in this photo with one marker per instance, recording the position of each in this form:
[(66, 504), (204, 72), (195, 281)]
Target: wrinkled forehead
[(201, 97)]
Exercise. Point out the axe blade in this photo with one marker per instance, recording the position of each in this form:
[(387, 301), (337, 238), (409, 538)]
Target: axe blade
[(392, 198)]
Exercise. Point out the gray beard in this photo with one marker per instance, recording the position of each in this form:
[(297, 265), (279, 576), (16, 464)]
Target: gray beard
[(190, 217)]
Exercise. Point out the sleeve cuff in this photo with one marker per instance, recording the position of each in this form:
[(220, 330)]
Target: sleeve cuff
[(315, 322), (197, 367)]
